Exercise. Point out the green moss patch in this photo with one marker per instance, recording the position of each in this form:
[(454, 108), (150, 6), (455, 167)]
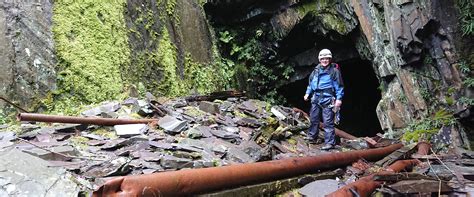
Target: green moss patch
[(91, 45), (326, 11), (424, 129)]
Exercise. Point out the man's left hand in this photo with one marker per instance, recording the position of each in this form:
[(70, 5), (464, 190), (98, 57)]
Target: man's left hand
[(338, 103)]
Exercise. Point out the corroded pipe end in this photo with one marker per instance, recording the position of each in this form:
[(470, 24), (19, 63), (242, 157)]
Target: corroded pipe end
[(423, 148), (402, 164), (110, 188), (18, 117)]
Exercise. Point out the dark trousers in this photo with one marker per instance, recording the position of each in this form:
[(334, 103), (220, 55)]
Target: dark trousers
[(328, 120)]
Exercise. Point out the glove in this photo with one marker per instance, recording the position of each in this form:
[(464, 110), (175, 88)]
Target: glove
[(337, 115)]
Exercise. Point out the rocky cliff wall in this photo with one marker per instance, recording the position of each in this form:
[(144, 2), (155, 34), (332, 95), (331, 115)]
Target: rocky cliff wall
[(416, 49), (172, 48), (27, 59), (413, 46)]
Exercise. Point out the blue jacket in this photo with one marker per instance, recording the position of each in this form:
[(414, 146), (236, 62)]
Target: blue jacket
[(326, 82)]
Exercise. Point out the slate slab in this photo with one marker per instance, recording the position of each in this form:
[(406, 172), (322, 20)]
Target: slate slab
[(128, 130), (105, 108), (319, 188), (172, 124), (209, 107), (24, 175)]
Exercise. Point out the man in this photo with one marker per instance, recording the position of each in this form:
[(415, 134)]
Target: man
[(326, 87)]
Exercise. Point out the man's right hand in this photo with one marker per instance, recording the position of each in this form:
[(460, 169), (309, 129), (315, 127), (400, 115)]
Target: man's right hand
[(306, 97)]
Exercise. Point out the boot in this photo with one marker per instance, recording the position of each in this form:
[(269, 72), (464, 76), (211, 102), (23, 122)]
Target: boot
[(327, 147)]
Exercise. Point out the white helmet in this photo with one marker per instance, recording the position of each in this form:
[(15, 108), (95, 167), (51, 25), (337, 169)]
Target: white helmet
[(325, 53)]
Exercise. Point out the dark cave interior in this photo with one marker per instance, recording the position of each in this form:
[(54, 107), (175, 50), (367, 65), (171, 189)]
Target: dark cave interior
[(358, 116)]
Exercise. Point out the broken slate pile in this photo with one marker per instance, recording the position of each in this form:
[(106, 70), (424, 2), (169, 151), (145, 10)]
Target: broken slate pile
[(188, 133)]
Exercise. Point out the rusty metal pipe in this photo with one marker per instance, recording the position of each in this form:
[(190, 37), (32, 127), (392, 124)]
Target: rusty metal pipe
[(423, 148), (344, 135), (195, 181), (79, 120), (402, 165), (366, 185), (339, 132)]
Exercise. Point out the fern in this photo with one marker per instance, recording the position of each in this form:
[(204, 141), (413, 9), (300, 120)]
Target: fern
[(466, 18)]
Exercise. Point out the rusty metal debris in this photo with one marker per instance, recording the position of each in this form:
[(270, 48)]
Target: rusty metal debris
[(340, 133), (402, 153), (79, 120), (366, 185), (186, 182), (423, 148), (344, 135)]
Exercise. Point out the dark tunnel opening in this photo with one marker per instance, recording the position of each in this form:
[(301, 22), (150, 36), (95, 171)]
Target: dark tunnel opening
[(358, 111)]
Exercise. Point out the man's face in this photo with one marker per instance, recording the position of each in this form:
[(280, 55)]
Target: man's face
[(325, 61)]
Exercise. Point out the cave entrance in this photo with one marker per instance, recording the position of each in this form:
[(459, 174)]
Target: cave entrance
[(358, 114)]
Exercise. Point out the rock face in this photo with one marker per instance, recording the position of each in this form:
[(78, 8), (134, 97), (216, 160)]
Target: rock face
[(27, 57), (166, 35), (194, 31), (413, 49)]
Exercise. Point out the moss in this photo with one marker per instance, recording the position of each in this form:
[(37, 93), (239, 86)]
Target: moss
[(8, 115), (292, 141), (449, 100), (425, 128), (166, 57), (203, 79), (193, 111), (93, 53), (79, 142), (91, 44), (325, 10), (334, 22), (105, 133), (451, 90), (419, 135), (304, 8), (197, 78), (13, 126), (242, 74), (269, 131), (144, 32), (238, 113)]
